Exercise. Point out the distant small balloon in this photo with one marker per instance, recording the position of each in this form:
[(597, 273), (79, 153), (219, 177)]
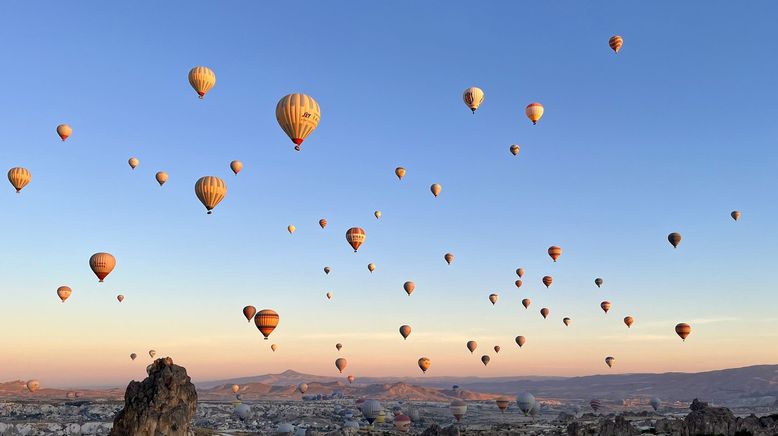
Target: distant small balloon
[(435, 189), (341, 364), (566, 321), (377, 214), (371, 267), (63, 292), (19, 178), (493, 298), (518, 283), (735, 215), (274, 347), (202, 80), (161, 177), (515, 150), (655, 403), (615, 42), (323, 223), (424, 364), (399, 172), (496, 348), (327, 270), (520, 272), (102, 264), (548, 280), (448, 257), (409, 287), (249, 312), (64, 131), (674, 238), (338, 346), (554, 251), (329, 295), (605, 306), (610, 360), (526, 302), (350, 379), (534, 112), (355, 236), (152, 353), (521, 340), (405, 331), (133, 161), (235, 389), (485, 359), (598, 281), (120, 297), (473, 97), (472, 345), (302, 387), (133, 356), (544, 311), (210, 190), (291, 228), (628, 320), (683, 330), (236, 166), (33, 385), (502, 403)]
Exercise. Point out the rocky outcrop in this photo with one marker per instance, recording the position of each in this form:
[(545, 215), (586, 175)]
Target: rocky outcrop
[(706, 419), (161, 405)]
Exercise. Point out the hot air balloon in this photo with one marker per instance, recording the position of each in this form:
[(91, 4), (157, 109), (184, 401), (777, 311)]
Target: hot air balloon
[(472, 345), (266, 321), (548, 280), (211, 191), (133, 356), (327, 270), (102, 264), (655, 403), (409, 287), (133, 161), (298, 115), (235, 389), (338, 346), (202, 80), (329, 295), (19, 177), (616, 42), (435, 189), (518, 283), (33, 385), (674, 239), (355, 236), (120, 297), (534, 111), (520, 272), (515, 150), (493, 298), (370, 410), (405, 331), (291, 228), (64, 131), (566, 321), (63, 292), (402, 423), (735, 215), (323, 223), (502, 403), (496, 348), (526, 302), (525, 401), (605, 306), (424, 364), (249, 312), (628, 320), (302, 387), (161, 177), (554, 251), (341, 364), (544, 311), (350, 379), (485, 359), (152, 353), (473, 97), (683, 330), (595, 405), (236, 166), (399, 172), (521, 340), (598, 281), (448, 257), (458, 409), (377, 214), (371, 267), (610, 360)]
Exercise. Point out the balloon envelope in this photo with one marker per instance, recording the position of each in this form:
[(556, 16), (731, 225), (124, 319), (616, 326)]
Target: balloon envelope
[(683, 330), (236, 166), (298, 115), (102, 264), (534, 112), (409, 287), (266, 321), (615, 42), (548, 280), (19, 178), (674, 239), (472, 345), (341, 364), (64, 131), (405, 331), (210, 190), (63, 292), (473, 97), (424, 364), (355, 236), (521, 340), (202, 80), (526, 302), (525, 401), (399, 172), (249, 312)]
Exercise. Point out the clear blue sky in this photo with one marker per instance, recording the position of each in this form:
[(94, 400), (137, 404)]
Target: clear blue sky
[(669, 135)]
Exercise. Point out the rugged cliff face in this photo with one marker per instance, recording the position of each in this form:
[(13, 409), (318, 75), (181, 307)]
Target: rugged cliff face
[(161, 405)]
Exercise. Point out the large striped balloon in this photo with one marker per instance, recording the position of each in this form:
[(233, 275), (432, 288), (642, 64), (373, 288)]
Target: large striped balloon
[(211, 190), (473, 97), (19, 177), (355, 237), (616, 42), (266, 321), (548, 280), (683, 330), (202, 80), (298, 115), (534, 111)]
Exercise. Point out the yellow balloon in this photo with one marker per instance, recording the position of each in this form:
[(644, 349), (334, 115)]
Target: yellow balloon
[(291, 228), (161, 178), (133, 161), (534, 111), (473, 97), (19, 177), (298, 115), (202, 80), (236, 166), (210, 190)]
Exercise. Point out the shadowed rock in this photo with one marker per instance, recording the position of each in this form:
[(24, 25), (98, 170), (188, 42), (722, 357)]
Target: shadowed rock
[(161, 405)]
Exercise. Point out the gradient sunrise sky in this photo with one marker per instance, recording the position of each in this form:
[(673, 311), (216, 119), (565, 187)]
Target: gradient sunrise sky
[(671, 134)]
